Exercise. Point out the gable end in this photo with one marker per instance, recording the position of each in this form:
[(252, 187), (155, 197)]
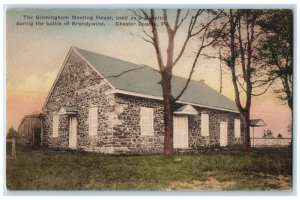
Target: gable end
[(72, 49)]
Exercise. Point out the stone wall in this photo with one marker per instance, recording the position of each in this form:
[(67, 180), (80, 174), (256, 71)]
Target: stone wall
[(79, 86), (127, 132), (271, 142), (62, 141), (197, 141)]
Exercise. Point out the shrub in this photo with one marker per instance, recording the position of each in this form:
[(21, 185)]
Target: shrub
[(12, 133)]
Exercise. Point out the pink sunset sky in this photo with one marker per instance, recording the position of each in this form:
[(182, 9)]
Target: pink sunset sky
[(36, 53)]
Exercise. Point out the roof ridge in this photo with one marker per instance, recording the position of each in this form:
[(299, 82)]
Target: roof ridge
[(110, 57)]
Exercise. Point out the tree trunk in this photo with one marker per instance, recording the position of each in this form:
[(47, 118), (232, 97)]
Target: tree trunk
[(168, 112), (246, 121)]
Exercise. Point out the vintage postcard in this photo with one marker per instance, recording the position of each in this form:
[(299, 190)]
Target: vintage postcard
[(149, 99)]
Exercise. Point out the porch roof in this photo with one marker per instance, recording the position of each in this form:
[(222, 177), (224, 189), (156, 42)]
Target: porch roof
[(257, 123), (67, 110), (186, 110)]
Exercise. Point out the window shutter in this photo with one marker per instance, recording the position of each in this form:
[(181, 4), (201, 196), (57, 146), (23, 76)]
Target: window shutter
[(146, 121), (204, 125), (237, 128), (93, 121), (143, 120), (150, 121), (55, 125)]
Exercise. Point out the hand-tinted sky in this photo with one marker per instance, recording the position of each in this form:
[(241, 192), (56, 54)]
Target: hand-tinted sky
[(36, 53)]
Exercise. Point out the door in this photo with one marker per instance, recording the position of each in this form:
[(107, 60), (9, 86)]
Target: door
[(180, 125), (37, 137), (223, 134), (72, 132)]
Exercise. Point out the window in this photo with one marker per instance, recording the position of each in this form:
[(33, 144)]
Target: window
[(146, 121), (223, 134), (55, 125), (237, 128), (204, 125), (93, 121)]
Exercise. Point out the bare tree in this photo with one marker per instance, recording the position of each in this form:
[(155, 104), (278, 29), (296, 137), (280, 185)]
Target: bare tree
[(199, 28), (239, 42)]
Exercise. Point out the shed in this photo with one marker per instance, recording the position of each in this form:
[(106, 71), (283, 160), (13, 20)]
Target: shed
[(31, 130), (256, 123)]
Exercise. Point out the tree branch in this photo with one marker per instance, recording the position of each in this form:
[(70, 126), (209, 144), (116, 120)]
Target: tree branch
[(123, 72), (202, 46), (166, 23), (181, 21), (190, 29), (155, 38), (266, 89)]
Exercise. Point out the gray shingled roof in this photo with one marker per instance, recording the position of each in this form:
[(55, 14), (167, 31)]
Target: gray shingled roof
[(142, 79)]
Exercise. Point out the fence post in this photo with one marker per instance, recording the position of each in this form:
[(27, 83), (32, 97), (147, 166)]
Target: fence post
[(13, 151), (13, 148)]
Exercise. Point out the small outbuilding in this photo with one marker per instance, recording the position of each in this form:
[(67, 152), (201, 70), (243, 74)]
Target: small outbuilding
[(256, 123), (31, 130)]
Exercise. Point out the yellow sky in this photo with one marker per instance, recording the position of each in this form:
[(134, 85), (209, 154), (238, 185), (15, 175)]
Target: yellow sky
[(35, 55)]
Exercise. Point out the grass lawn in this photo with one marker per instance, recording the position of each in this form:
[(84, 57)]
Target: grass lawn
[(44, 169)]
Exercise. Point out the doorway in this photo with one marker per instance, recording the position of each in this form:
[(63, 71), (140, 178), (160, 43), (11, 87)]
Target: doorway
[(37, 137), (180, 125)]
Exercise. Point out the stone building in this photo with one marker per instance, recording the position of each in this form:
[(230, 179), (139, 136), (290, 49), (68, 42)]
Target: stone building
[(103, 104)]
